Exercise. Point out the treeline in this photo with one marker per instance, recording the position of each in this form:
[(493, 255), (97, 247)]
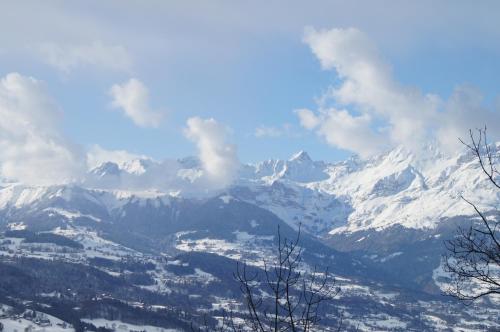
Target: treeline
[(32, 237)]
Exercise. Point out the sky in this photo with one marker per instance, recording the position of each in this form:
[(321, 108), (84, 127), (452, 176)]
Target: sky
[(241, 81)]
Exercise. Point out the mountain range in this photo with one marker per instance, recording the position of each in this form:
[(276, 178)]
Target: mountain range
[(378, 223)]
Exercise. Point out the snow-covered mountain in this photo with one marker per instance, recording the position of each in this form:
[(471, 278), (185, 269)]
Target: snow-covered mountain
[(397, 188)]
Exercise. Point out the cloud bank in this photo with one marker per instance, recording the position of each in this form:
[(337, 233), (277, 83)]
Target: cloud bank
[(371, 111), (218, 157), (33, 149), (132, 97)]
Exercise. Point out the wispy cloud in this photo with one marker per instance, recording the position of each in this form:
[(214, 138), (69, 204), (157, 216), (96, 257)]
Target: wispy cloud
[(67, 57), (132, 97), (284, 130)]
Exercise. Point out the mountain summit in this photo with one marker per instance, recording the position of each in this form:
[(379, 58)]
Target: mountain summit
[(301, 156)]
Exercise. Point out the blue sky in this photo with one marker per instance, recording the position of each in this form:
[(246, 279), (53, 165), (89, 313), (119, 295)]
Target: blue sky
[(243, 64)]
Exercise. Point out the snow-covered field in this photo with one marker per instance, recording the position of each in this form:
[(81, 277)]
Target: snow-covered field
[(45, 323), (22, 325)]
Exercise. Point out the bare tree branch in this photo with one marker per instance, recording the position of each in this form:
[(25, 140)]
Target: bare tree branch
[(473, 257), (296, 296)]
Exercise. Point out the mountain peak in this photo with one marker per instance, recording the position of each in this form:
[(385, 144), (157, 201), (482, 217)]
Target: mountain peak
[(301, 156), (106, 168)]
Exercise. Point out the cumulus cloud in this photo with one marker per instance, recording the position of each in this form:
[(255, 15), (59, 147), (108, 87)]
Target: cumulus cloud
[(379, 110), (218, 157), (33, 149), (66, 57), (132, 97)]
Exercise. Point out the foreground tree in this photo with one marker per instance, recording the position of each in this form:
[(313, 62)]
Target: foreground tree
[(473, 257), (285, 296), (296, 296)]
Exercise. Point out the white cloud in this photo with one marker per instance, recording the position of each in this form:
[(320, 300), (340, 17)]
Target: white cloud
[(389, 113), (66, 57), (97, 156), (463, 111), (32, 148), (218, 157), (265, 131), (273, 131), (340, 128), (133, 98), (307, 118)]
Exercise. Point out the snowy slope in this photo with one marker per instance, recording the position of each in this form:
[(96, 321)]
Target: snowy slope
[(399, 189), (396, 188)]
